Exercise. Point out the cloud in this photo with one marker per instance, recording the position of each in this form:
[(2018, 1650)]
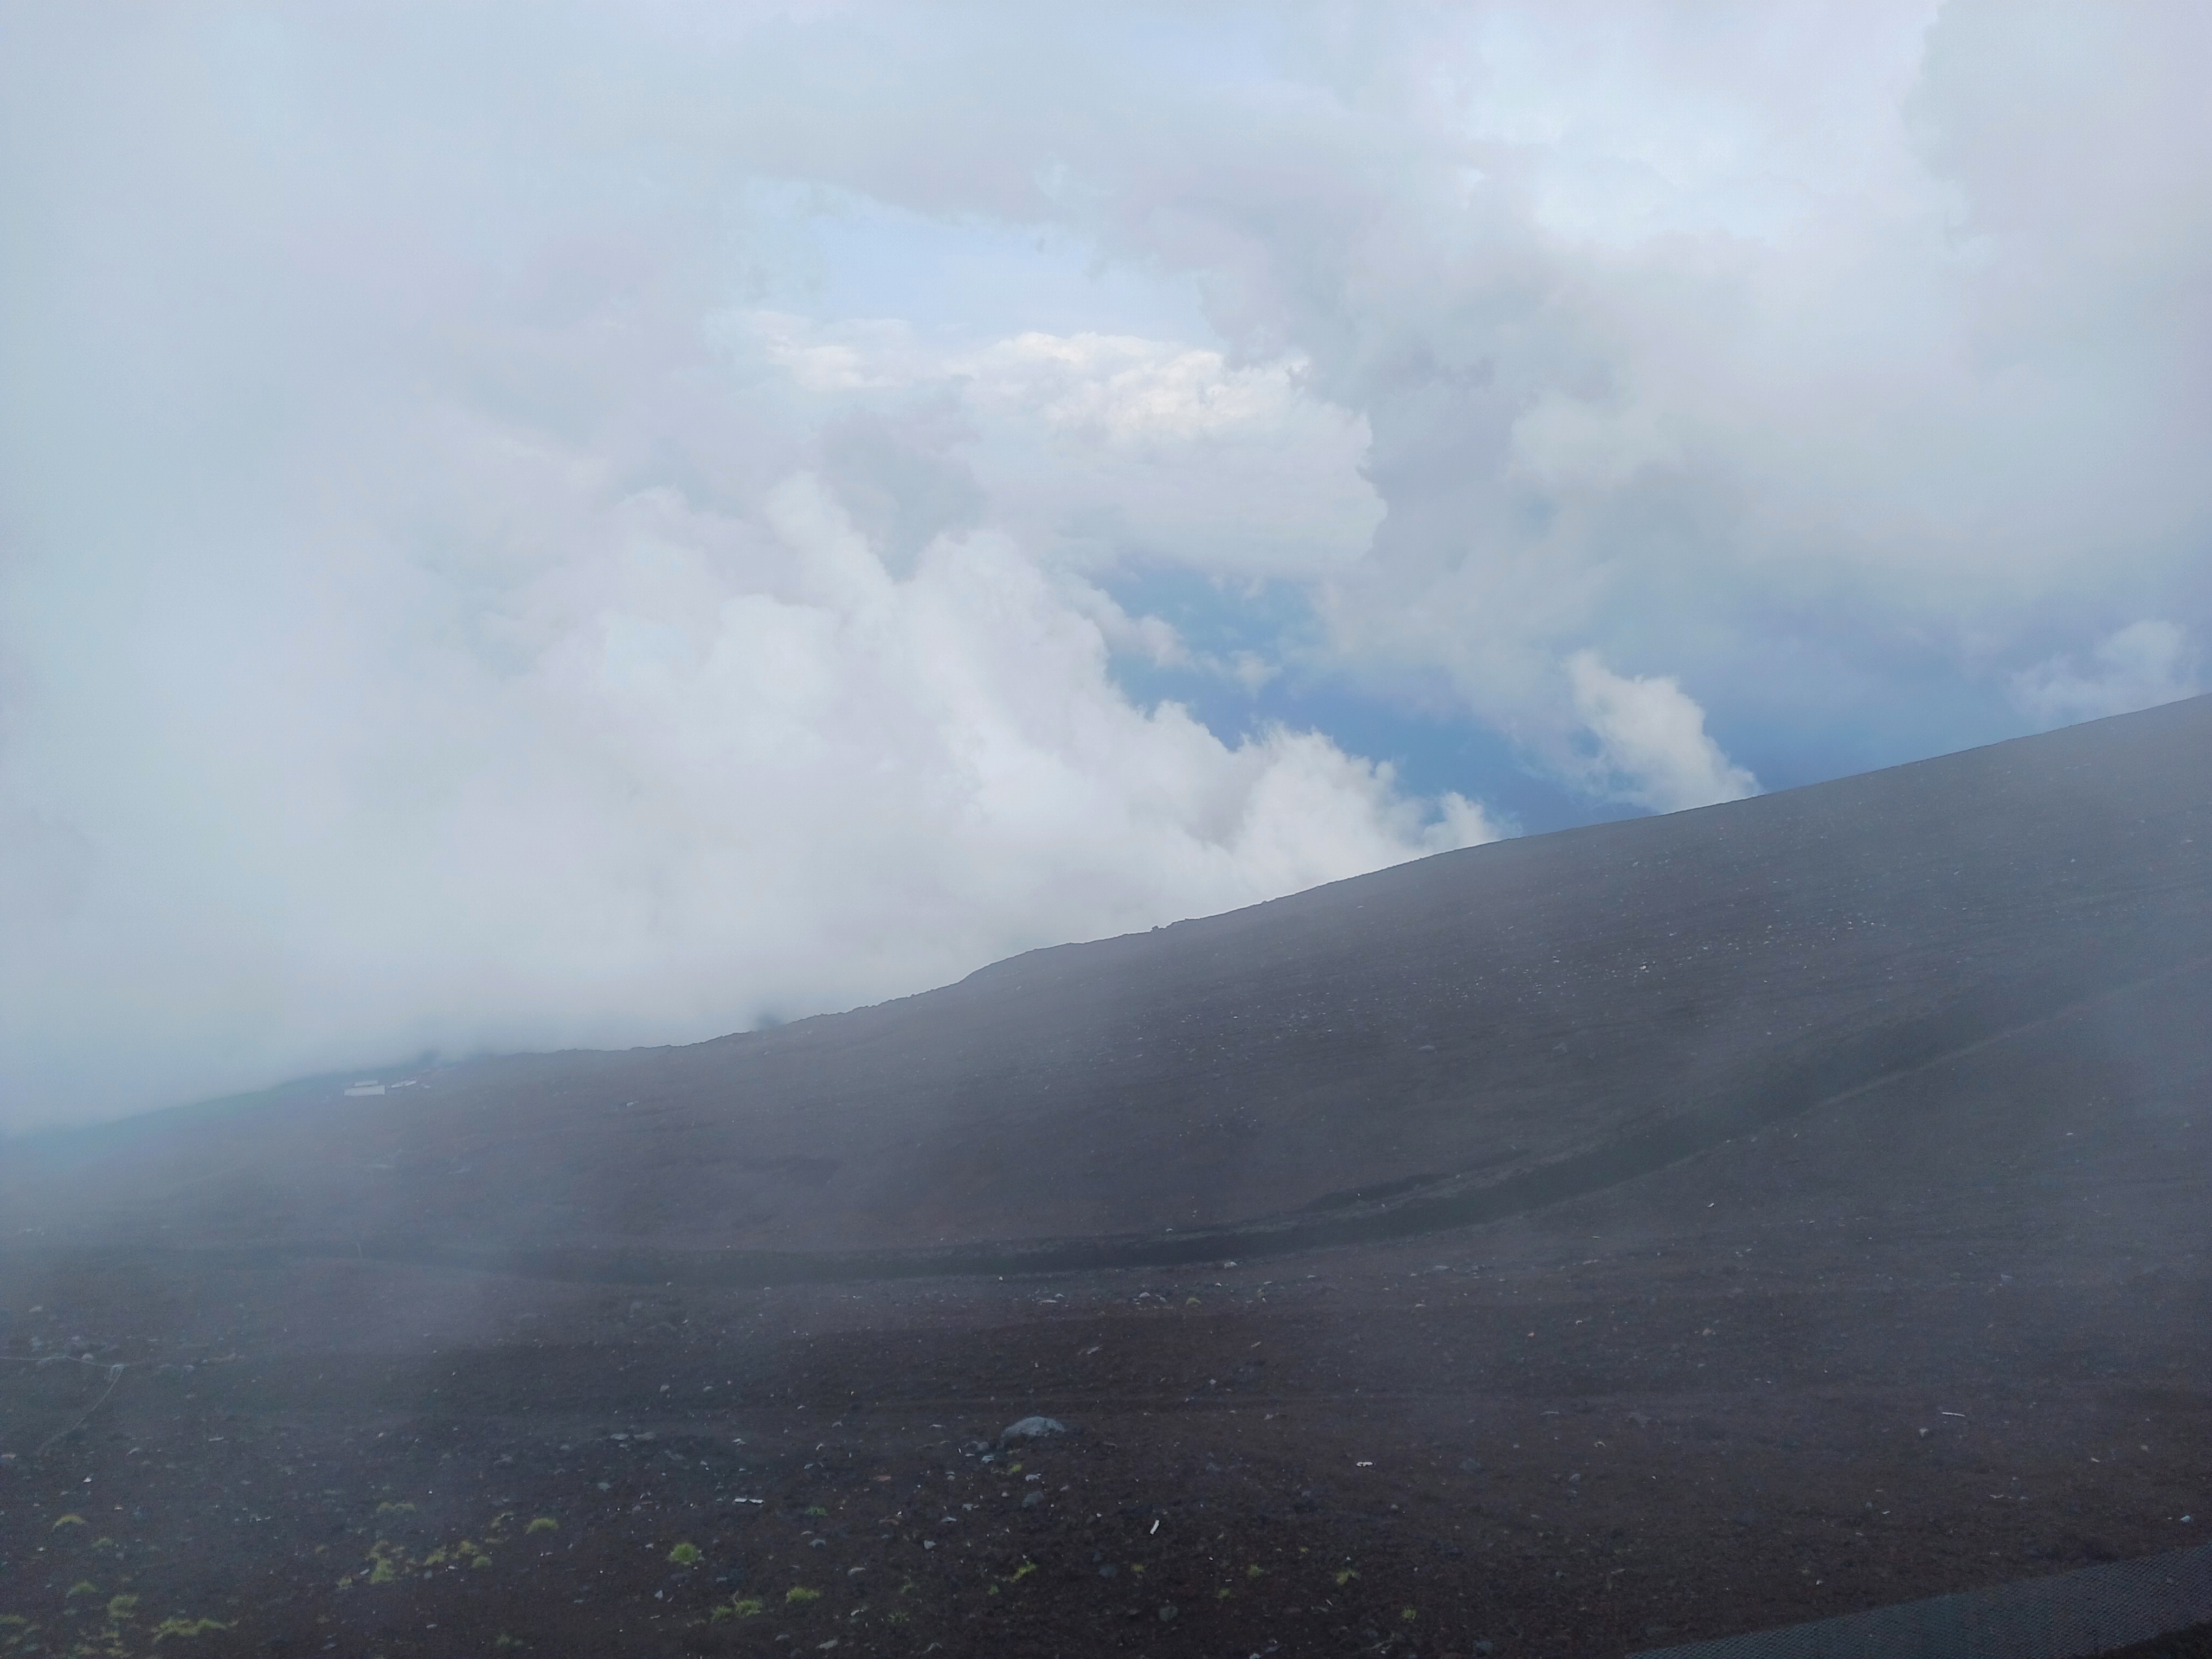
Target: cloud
[(1721, 346), (525, 527), (637, 770), (1134, 393), (2138, 666), (1650, 745), (1093, 447), (863, 354)]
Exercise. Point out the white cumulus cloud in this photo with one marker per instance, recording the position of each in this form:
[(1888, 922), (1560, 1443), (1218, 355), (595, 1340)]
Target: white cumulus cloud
[(1648, 741), (2138, 666)]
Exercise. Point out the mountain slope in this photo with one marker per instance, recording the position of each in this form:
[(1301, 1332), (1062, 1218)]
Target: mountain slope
[(1599, 999)]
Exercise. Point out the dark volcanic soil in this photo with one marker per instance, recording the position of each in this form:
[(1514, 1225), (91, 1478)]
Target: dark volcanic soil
[(1881, 1352), (1912, 1297)]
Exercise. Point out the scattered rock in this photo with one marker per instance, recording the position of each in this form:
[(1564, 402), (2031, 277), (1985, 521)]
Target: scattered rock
[(1032, 1428)]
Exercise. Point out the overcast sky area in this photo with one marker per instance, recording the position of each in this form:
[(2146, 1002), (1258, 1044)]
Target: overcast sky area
[(528, 527)]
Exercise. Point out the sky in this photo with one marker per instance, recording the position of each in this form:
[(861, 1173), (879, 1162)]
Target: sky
[(553, 526)]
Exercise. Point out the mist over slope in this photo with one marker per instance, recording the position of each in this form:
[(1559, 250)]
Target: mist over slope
[(1582, 1000)]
